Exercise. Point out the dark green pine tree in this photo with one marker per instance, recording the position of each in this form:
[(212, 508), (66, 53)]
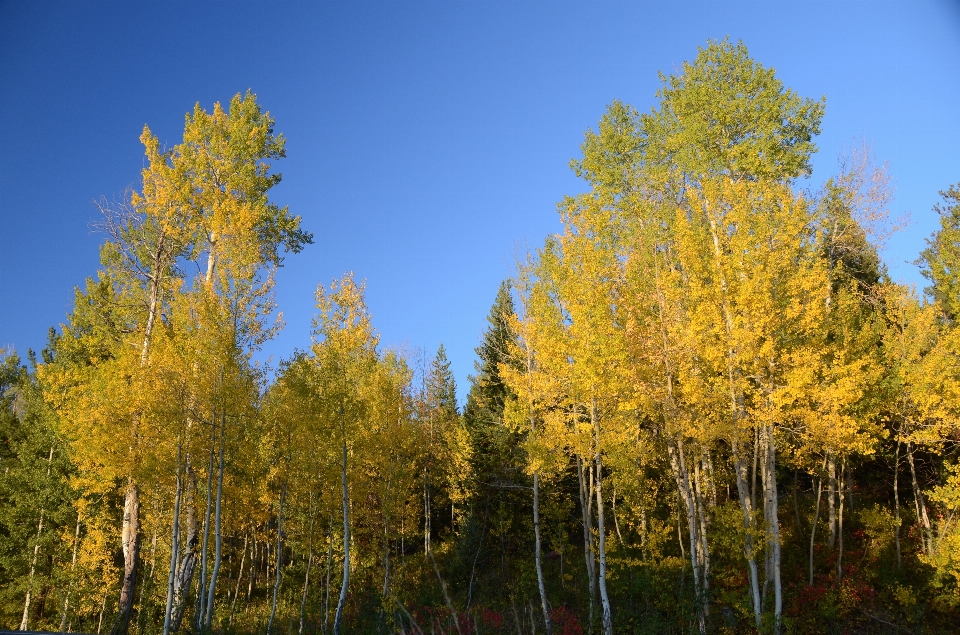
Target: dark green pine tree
[(36, 501), (488, 393), (442, 386), (940, 261), (498, 546)]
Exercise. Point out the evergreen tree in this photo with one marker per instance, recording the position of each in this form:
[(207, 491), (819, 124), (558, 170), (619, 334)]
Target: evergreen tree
[(488, 393), (940, 261), (36, 501)]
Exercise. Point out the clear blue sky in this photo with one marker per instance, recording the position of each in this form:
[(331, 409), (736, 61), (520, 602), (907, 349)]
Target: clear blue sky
[(427, 142)]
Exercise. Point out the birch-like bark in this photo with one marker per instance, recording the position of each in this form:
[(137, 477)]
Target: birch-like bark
[(816, 518), (588, 550), (174, 552), (33, 561), (840, 525), (602, 540), (73, 566), (536, 533), (130, 527), (920, 504), (346, 539), (188, 562), (218, 538), (326, 592), (741, 471), (306, 577), (831, 499), (601, 530), (202, 596), (130, 536), (682, 478), (896, 500), (276, 579), (211, 258), (773, 522)]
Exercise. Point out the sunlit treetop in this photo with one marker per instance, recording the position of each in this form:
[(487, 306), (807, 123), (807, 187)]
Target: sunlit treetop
[(724, 113)]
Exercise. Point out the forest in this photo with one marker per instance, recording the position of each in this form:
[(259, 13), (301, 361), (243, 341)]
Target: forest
[(703, 406)]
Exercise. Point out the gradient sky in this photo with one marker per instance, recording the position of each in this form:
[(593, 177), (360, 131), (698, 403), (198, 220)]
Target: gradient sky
[(427, 143)]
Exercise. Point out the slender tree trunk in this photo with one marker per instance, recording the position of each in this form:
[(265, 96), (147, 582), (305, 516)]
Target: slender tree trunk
[(346, 540), (201, 595), (306, 577), (613, 510), (773, 522), (896, 501), (753, 474), (326, 601), (211, 257), (704, 552), (276, 580), (682, 478), (174, 551), (103, 608), (131, 554), (741, 471), (426, 511), (602, 538), (130, 526), (840, 525), (920, 504), (386, 545), (188, 561), (73, 567), (588, 550), (816, 519), (218, 538), (33, 561), (544, 605), (831, 499), (236, 591), (601, 530), (254, 565)]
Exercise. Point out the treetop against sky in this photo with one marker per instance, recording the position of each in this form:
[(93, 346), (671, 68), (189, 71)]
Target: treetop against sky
[(427, 144)]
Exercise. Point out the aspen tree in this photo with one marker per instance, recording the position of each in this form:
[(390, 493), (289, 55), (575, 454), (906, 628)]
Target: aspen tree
[(919, 354), (344, 350), (727, 135), (580, 268)]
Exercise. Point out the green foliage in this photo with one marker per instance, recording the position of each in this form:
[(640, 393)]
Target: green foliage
[(941, 259), (684, 360)]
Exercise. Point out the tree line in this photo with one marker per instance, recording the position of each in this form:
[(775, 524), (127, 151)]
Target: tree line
[(702, 406)]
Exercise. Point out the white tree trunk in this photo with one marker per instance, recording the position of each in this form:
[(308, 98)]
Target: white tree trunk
[(741, 469), (33, 561), (218, 539), (174, 553), (831, 499), (773, 521), (682, 478), (73, 566), (276, 579), (346, 543), (586, 496)]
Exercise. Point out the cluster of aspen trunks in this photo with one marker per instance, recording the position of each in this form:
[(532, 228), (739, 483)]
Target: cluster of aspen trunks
[(702, 405)]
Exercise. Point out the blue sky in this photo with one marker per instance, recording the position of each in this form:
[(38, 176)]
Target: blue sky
[(428, 143)]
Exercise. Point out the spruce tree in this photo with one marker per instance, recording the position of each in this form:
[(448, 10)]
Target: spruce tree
[(940, 261)]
